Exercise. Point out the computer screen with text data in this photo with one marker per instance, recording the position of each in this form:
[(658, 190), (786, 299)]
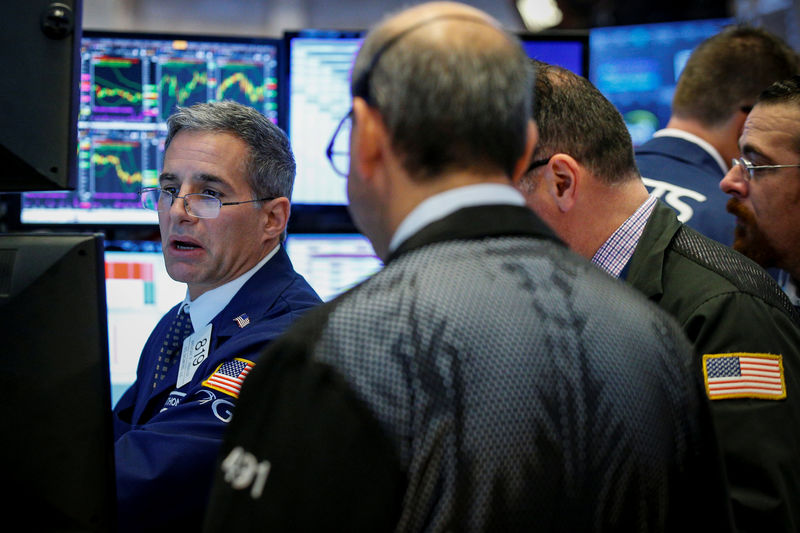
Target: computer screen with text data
[(319, 66), (318, 82), (332, 263), (129, 85)]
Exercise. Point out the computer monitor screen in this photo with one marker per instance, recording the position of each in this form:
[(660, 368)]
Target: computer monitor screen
[(319, 70), (332, 263), (138, 293), (57, 431), (568, 50), (319, 66), (129, 85), (637, 68)]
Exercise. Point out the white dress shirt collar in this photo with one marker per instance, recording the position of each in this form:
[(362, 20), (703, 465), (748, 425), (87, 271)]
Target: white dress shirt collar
[(440, 205), (208, 305)]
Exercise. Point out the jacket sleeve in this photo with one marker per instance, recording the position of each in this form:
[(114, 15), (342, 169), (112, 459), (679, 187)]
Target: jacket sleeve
[(164, 466), (303, 453), (758, 437)]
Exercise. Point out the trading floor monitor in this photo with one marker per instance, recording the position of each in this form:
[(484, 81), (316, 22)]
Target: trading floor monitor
[(57, 431)]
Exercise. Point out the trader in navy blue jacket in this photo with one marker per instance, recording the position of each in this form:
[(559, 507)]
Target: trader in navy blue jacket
[(222, 205), (684, 163)]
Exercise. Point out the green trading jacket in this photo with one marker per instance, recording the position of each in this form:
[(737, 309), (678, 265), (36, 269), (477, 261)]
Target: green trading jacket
[(727, 304)]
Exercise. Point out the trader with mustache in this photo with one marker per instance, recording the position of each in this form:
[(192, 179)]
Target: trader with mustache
[(764, 185)]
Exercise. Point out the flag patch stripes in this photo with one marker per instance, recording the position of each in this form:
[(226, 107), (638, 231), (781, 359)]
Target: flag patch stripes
[(744, 375), (229, 376)]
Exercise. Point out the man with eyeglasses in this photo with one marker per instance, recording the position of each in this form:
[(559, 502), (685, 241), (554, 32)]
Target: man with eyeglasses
[(744, 330), (487, 379), (683, 163), (764, 185), (223, 205)]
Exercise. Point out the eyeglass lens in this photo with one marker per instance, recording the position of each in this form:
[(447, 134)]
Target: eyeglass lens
[(198, 205)]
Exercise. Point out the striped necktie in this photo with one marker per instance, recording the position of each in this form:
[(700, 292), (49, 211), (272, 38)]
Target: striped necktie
[(170, 352)]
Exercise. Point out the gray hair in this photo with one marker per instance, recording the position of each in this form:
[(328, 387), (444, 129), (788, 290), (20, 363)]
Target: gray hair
[(270, 166), (450, 104)]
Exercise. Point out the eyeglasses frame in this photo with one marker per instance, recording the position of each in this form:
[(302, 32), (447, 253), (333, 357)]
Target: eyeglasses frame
[(173, 197), (751, 168)]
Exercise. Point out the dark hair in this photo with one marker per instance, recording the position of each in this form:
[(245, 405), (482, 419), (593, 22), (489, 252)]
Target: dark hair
[(785, 92), (455, 104), (574, 118), (728, 71), (270, 167)]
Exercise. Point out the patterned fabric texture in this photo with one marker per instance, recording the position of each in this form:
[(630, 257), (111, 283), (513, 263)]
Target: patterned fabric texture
[(747, 276), (511, 382)]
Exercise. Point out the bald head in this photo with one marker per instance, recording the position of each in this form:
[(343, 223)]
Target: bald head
[(414, 15), (453, 89)]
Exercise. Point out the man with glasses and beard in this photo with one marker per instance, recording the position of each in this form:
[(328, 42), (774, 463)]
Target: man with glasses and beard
[(683, 163), (764, 185), (487, 379), (223, 205)]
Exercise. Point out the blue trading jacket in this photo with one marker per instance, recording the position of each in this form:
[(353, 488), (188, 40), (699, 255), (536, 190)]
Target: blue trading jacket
[(686, 178), (167, 440)]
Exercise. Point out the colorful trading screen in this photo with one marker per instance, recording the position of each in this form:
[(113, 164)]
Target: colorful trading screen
[(138, 293), (129, 85), (637, 68)]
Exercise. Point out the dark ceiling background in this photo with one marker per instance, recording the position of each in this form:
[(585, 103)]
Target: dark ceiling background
[(582, 14)]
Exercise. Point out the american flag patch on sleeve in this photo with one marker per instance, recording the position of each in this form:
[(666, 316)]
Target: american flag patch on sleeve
[(744, 375), (229, 376)]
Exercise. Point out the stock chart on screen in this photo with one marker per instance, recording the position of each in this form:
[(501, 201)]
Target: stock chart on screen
[(129, 85)]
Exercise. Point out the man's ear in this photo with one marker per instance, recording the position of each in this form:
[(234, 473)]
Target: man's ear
[(277, 216), (523, 162), (368, 140), (563, 174)]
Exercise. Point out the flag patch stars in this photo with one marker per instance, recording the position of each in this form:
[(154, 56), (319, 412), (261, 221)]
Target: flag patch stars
[(744, 375), (229, 376)]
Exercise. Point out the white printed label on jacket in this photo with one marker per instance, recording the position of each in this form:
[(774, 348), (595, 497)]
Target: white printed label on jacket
[(195, 351)]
